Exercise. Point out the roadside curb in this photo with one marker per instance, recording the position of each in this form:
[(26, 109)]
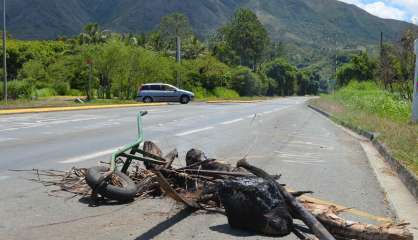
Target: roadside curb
[(233, 101), (76, 108), (408, 178)]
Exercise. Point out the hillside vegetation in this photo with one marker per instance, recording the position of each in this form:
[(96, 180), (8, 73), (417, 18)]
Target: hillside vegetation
[(311, 30), (239, 61)]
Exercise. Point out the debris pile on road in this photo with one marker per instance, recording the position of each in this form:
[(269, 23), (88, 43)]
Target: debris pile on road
[(250, 198)]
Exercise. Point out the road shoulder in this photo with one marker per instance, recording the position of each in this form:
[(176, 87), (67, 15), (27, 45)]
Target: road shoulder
[(398, 196)]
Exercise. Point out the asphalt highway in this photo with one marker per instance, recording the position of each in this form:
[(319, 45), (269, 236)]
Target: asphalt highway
[(281, 136)]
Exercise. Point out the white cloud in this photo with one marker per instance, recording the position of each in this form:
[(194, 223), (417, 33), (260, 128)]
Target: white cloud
[(409, 5), (414, 20), (355, 2), (383, 9)]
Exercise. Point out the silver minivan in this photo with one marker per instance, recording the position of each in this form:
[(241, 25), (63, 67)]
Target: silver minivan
[(160, 92)]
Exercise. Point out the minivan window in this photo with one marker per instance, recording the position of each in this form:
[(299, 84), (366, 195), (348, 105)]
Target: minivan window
[(155, 87), (167, 88), (145, 87)]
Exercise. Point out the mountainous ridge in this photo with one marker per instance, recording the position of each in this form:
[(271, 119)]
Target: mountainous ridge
[(302, 22)]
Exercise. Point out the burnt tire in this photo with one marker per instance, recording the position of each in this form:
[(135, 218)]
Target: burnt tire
[(184, 99), (124, 193), (147, 100)]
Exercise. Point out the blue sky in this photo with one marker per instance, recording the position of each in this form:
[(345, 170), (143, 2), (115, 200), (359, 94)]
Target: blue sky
[(406, 10)]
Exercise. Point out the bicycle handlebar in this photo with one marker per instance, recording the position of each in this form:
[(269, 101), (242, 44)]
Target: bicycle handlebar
[(138, 141)]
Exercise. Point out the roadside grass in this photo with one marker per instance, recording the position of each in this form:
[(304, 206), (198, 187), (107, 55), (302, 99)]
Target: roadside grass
[(58, 101), (220, 93), (370, 108), (69, 101)]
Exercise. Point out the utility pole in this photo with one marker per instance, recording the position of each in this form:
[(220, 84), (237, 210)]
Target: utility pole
[(178, 57), (381, 44), (4, 52), (415, 97), (90, 63)]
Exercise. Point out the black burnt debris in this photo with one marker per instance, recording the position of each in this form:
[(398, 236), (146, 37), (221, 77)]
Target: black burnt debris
[(255, 204)]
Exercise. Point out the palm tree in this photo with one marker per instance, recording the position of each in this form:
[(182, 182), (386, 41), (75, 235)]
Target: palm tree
[(93, 34)]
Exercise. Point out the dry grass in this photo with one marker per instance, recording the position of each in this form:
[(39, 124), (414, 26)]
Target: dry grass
[(62, 101), (400, 137)]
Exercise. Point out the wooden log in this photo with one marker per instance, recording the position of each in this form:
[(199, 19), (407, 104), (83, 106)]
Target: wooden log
[(151, 150), (170, 158), (165, 186), (317, 228), (343, 229), (196, 164), (216, 173)]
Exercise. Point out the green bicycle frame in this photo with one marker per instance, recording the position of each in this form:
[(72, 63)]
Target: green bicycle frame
[(125, 148)]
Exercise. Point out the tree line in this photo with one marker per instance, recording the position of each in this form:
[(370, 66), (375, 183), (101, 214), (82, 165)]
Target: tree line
[(239, 59), (393, 69)]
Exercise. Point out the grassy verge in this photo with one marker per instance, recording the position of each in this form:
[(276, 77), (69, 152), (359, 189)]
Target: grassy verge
[(366, 106), (61, 101), (68, 101), (213, 98)]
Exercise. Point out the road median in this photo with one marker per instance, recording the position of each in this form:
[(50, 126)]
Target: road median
[(75, 108)]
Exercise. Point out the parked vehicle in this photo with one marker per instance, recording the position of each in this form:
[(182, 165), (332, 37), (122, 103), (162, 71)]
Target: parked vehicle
[(160, 92)]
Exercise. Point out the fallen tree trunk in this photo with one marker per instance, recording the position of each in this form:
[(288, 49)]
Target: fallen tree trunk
[(343, 229), (317, 228)]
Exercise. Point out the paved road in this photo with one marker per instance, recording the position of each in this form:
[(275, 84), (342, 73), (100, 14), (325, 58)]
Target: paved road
[(282, 136)]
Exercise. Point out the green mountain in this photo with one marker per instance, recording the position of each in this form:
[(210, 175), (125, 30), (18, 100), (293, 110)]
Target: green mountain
[(310, 29), (304, 21)]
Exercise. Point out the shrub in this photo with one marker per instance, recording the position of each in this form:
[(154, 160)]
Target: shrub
[(45, 92), (75, 92), (225, 93), (62, 88), (247, 83), (19, 89), (200, 92)]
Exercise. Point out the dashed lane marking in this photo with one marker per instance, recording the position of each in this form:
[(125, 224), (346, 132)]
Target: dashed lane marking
[(232, 121), (193, 131), (4, 177), (89, 156)]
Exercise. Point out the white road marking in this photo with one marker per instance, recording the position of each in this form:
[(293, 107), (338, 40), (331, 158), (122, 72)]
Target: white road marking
[(7, 139), (90, 156), (193, 131), (299, 157), (4, 177), (49, 123), (304, 162), (312, 144), (232, 121)]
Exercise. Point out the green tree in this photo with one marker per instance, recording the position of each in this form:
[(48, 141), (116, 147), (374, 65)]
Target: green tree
[(174, 27), (246, 36), (193, 48), (284, 74), (93, 34), (302, 80), (248, 83), (360, 68), (107, 61), (34, 72)]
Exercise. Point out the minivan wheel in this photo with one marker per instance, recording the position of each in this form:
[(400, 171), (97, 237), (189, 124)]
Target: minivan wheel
[(184, 99), (147, 100)]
